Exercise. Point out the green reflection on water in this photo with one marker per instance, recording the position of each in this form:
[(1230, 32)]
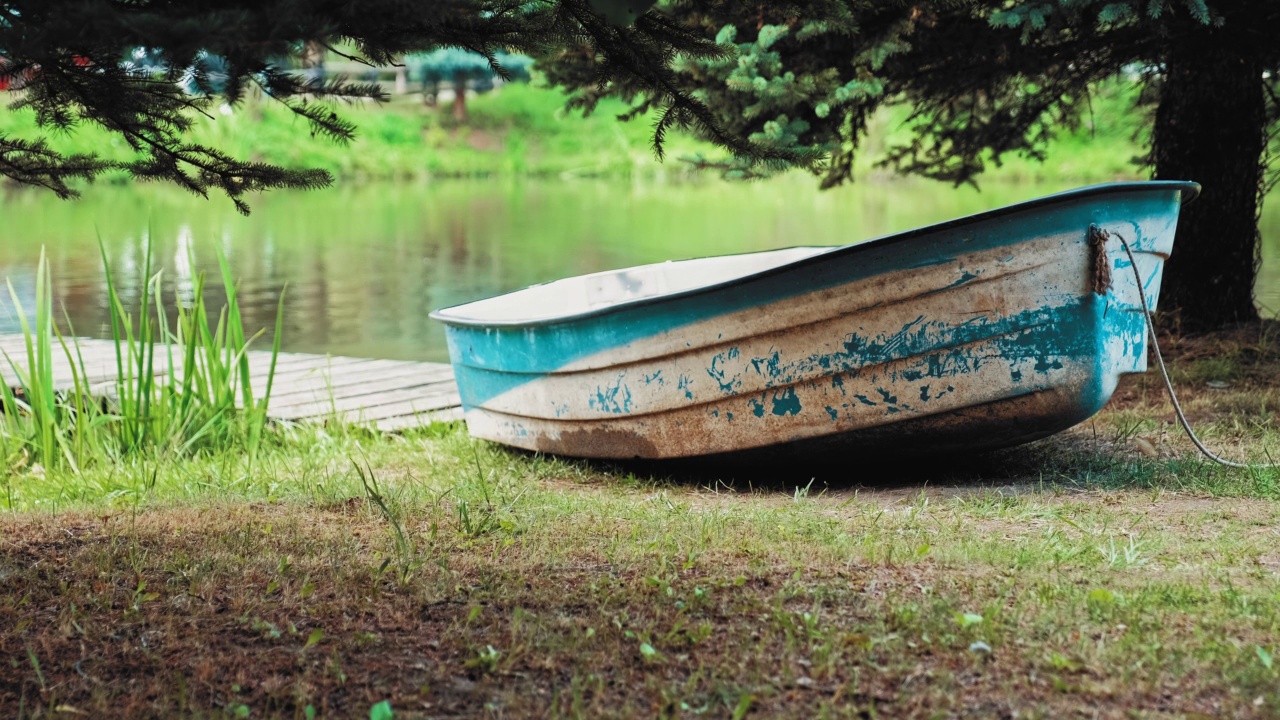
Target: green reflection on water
[(364, 265)]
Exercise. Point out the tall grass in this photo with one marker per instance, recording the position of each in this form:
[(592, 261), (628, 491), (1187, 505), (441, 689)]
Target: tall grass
[(178, 389), (35, 417)]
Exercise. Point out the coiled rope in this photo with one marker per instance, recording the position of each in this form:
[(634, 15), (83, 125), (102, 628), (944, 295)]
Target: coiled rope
[(1098, 238)]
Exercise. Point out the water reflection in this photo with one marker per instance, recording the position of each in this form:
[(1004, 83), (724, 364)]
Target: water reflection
[(363, 266)]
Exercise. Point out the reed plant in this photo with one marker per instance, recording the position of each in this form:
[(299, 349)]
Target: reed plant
[(204, 396), (178, 389), (35, 420)]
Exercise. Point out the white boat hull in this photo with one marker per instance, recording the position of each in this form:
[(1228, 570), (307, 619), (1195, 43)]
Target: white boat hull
[(984, 332)]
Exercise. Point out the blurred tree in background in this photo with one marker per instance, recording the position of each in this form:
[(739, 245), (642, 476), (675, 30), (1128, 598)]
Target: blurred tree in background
[(463, 69), (69, 62)]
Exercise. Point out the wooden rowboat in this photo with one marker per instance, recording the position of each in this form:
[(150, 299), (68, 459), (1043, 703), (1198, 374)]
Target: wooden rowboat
[(981, 332)]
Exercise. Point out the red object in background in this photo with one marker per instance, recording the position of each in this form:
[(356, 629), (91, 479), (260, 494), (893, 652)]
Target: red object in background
[(15, 81)]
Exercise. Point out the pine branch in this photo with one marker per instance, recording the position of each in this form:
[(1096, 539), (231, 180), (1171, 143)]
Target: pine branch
[(33, 163)]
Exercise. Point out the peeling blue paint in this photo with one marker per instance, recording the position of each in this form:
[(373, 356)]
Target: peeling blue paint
[(1042, 338), (516, 429), (489, 360), (835, 415), (757, 407), (966, 277), (686, 385), (769, 366), (773, 366), (727, 384), (1044, 365), (786, 403), (614, 399)]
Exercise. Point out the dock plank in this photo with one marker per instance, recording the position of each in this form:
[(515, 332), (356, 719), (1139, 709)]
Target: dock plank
[(369, 390), (412, 406), (391, 395), (369, 403), (408, 422)]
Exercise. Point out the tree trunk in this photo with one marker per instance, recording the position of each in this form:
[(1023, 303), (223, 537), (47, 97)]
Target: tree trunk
[(460, 97), (1210, 127), (313, 54)]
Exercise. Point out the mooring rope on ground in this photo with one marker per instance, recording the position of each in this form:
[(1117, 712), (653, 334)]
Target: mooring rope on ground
[(1098, 237)]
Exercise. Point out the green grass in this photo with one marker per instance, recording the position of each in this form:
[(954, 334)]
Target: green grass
[(36, 422), (523, 130), (448, 577), (344, 568), (177, 388)]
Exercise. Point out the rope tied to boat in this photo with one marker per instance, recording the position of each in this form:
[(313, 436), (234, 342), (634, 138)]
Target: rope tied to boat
[(1098, 240), (1101, 263)]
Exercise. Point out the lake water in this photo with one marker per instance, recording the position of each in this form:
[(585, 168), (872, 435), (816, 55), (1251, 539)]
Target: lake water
[(364, 265)]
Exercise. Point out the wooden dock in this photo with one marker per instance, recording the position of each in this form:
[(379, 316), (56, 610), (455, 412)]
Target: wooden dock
[(387, 394)]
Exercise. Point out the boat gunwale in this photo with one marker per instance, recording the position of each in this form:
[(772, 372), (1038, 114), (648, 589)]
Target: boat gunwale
[(724, 342), (1189, 191)]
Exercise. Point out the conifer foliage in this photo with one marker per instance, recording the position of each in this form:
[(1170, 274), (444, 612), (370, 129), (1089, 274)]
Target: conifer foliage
[(985, 78), (72, 62)]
